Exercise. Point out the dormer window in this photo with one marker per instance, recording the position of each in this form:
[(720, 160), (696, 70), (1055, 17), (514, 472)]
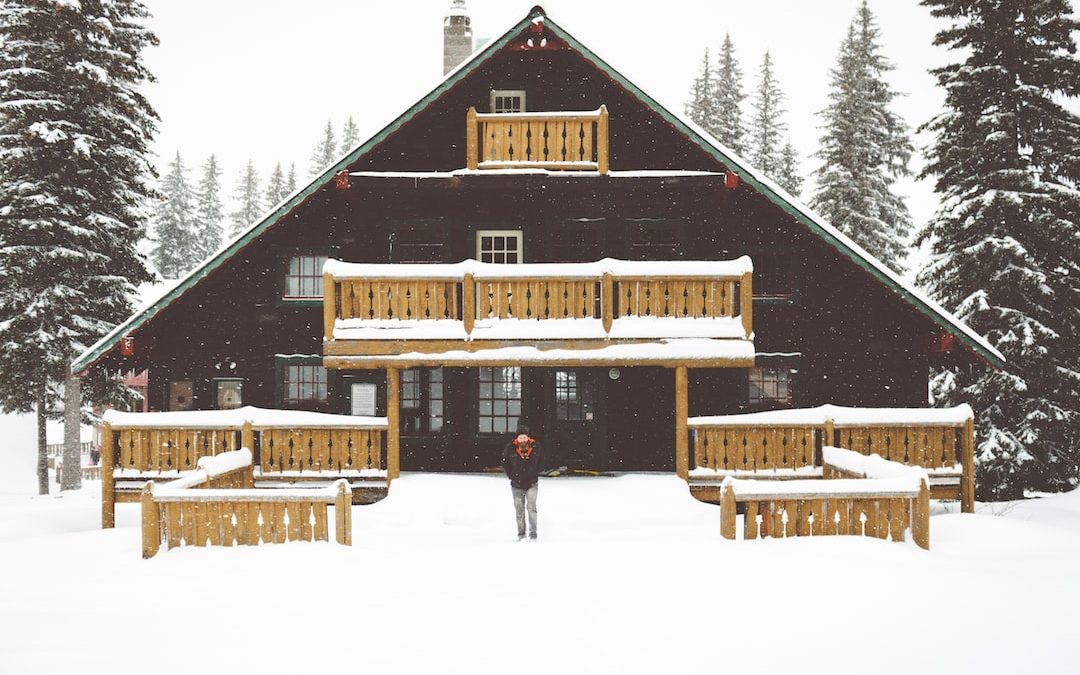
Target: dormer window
[(507, 100)]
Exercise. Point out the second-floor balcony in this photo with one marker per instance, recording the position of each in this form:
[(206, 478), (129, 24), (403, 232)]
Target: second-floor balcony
[(600, 312), (565, 141)]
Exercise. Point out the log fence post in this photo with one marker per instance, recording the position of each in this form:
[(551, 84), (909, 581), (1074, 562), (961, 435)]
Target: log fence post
[(727, 511), (151, 522), (967, 462), (920, 517), (393, 431), (108, 482), (682, 440), (343, 513)]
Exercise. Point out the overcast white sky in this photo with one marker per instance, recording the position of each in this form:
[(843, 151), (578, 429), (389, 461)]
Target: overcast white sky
[(258, 79)]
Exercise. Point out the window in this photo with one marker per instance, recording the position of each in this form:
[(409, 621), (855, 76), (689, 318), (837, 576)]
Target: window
[(304, 384), (303, 278), (229, 393), (500, 399), (773, 276), (573, 396), (771, 387), (499, 246), (507, 100), (421, 400)]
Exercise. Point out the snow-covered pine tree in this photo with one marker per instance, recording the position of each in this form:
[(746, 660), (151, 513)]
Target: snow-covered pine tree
[(789, 175), (702, 104), (728, 95), (275, 186), (290, 182), (350, 135), (767, 126), (1005, 249), (176, 229), (864, 149), (325, 151), (248, 200), (210, 213), (74, 180)]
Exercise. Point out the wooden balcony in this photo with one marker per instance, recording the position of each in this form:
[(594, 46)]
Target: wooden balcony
[(610, 311), (564, 141)]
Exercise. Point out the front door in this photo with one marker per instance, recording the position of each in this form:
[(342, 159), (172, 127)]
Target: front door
[(576, 425)]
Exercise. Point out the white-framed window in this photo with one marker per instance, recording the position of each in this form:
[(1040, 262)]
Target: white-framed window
[(507, 100), (500, 246), (303, 383), (303, 277)]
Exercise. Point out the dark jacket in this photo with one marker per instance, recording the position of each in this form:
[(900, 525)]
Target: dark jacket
[(522, 471)]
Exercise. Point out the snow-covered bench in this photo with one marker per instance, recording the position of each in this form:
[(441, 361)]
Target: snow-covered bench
[(786, 445), (179, 513), (290, 448), (861, 495)]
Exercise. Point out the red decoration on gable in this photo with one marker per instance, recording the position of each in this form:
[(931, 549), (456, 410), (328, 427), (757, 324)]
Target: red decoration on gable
[(942, 343), (127, 346), (731, 180), (341, 180)]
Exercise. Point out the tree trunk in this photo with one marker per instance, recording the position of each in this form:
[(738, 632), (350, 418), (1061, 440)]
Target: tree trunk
[(43, 451), (71, 478)]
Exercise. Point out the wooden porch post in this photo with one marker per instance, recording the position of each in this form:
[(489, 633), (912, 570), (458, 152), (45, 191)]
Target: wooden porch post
[(602, 142), (471, 147), (682, 439), (108, 483), (967, 475), (393, 432), (329, 306)]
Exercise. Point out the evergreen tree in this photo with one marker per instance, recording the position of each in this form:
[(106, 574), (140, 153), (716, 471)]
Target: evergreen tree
[(176, 229), (210, 213), (766, 124), (1005, 250), (728, 94), (325, 151), (350, 136), (290, 182), (74, 180), (864, 149), (789, 175), (275, 186), (248, 198), (702, 105)]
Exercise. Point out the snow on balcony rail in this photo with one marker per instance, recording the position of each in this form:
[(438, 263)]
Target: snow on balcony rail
[(842, 461), (842, 416), (677, 269), (265, 418)]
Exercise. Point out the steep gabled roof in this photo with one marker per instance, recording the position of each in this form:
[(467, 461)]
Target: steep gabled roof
[(759, 182)]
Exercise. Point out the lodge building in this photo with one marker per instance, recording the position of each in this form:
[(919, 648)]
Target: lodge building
[(621, 271)]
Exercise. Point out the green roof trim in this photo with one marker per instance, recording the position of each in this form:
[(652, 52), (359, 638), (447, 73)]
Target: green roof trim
[(109, 341)]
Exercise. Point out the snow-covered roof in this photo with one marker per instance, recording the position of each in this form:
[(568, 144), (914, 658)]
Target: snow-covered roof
[(766, 187)]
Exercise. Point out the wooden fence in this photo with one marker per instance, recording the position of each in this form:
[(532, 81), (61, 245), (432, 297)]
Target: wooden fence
[(227, 517), (785, 443), (575, 141)]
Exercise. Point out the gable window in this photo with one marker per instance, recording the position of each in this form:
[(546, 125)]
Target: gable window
[(500, 399), (771, 388), (774, 275), (302, 383), (507, 100), (303, 277), (421, 400), (499, 246)]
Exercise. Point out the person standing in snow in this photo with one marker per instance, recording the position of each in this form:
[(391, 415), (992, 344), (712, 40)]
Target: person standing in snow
[(521, 462)]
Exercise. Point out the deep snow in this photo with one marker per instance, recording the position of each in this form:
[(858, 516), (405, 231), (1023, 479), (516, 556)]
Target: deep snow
[(630, 576)]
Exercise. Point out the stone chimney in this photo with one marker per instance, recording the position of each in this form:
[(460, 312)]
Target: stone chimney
[(457, 36)]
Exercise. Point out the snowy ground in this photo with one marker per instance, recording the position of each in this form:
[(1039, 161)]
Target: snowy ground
[(630, 576)]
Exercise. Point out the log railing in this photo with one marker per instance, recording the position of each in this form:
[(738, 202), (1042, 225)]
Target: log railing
[(359, 297), (162, 449), (311, 449), (576, 141), (224, 517), (754, 448)]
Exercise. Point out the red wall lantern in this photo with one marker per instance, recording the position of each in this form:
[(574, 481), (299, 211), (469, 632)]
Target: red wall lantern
[(341, 180), (731, 180), (127, 346)]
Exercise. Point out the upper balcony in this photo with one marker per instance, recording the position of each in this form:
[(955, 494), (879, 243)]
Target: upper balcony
[(609, 312), (565, 141)]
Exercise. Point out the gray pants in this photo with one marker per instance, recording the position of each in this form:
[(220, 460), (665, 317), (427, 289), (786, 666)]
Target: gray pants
[(521, 497)]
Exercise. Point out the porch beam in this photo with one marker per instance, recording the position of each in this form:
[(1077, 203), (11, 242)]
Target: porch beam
[(682, 435), (435, 360), (393, 416)]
